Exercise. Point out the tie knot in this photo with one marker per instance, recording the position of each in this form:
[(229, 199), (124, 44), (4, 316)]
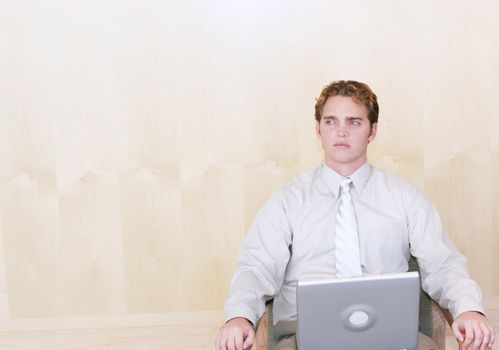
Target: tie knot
[(345, 184)]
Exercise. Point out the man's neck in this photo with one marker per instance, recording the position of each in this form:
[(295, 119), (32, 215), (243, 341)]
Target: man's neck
[(345, 169)]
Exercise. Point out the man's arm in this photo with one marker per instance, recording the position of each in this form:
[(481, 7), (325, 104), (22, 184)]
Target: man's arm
[(259, 275), (445, 276)]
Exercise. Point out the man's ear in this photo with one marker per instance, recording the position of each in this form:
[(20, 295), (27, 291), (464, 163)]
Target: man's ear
[(318, 128), (374, 130)]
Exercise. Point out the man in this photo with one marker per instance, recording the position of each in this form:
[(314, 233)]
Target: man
[(296, 234)]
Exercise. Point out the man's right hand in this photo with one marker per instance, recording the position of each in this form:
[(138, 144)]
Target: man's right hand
[(236, 334)]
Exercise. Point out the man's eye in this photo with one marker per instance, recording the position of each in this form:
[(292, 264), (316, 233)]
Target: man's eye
[(355, 122)]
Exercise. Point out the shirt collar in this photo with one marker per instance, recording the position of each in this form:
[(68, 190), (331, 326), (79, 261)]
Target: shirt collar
[(359, 178)]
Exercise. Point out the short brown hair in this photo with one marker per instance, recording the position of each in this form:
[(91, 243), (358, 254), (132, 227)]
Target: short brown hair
[(360, 92)]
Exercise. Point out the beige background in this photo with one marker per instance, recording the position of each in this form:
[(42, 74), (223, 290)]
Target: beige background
[(139, 138)]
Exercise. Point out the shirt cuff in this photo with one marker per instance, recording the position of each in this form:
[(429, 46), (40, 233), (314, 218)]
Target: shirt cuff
[(241, 311), (465, 305)]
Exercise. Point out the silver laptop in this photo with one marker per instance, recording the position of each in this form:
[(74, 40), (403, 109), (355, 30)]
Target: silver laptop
[(378, 312)]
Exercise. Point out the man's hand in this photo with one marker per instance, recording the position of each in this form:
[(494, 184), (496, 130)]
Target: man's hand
[(236, 334), (473, 331)]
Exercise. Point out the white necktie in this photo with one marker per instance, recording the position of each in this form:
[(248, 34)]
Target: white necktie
[(346, 240)]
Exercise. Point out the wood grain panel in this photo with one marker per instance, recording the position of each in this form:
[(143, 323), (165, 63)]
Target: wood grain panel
[(138, 140)]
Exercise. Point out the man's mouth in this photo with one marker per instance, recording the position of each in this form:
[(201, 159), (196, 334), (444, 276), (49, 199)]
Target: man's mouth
[(341, 145)]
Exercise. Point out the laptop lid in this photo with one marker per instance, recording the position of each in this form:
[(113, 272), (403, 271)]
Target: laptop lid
[(377, 312)]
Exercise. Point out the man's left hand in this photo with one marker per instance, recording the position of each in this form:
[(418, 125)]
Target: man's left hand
[(473, 331)]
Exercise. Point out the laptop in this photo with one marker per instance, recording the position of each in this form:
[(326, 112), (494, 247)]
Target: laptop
[(376, 312)]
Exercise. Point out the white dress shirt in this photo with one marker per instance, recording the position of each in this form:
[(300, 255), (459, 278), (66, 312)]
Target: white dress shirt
[(292, 238)]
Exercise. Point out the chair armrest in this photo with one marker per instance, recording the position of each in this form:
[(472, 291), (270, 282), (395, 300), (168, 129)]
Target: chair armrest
[(262, 333), (440, 319)]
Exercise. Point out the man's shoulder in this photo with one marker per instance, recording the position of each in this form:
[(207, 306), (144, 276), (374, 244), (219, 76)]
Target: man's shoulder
[(299, 188), (387, 175), (393, 183), (294, 194), (303, 181)]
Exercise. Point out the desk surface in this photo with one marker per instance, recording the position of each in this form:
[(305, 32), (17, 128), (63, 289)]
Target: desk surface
[(200, 336)]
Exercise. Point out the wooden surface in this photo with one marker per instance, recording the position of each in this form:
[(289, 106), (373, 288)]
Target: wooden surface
[(182, 337), (262, 333), (138, 139), (188, 336)]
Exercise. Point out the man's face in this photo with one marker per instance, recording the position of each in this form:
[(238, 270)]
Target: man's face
[(345, 132)]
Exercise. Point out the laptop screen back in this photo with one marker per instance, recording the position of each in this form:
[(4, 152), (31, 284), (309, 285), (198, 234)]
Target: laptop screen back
[(378, 312)]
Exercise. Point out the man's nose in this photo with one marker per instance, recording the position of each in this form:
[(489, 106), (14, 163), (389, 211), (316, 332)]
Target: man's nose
[(341, 130)]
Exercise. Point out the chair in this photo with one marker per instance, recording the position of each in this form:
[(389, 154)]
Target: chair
[(432, 320)]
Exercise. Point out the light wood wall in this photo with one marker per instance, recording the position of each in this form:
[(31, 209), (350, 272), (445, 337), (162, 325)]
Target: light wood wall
[(139, 138)]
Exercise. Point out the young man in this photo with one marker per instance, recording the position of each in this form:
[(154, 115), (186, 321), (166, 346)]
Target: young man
[(297, 233)]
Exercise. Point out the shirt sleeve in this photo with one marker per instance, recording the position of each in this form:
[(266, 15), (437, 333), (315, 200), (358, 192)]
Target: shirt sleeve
[(262, 262), (443, 269)]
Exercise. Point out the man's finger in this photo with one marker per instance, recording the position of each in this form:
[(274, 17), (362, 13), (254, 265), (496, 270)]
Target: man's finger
[(230, 342), (250, 338), (457, 330), (492, 339), (468, 335), (238, 339), (478, 336), (487, 334)]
